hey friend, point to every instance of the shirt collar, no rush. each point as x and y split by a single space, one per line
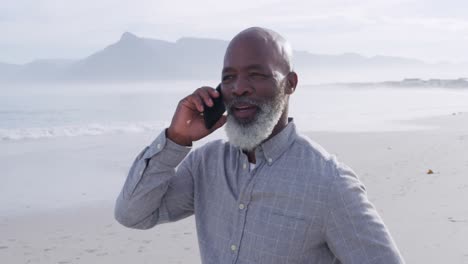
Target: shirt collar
272 149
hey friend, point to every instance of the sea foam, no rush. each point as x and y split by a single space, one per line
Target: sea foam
95 129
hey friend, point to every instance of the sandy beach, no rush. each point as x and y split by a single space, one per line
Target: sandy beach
426 213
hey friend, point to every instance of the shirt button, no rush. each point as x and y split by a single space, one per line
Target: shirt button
241 206
270 160
159 146
244 166
233 247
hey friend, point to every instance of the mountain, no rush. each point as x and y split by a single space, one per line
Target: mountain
44 70
134 58
352 67
305 59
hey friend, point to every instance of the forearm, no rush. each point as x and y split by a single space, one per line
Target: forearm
142 202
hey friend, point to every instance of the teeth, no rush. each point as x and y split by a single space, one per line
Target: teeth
243 107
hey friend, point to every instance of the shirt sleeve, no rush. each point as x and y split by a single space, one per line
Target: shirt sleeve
354 231
154 191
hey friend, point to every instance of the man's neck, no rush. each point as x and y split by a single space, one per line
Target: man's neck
283 122
251 156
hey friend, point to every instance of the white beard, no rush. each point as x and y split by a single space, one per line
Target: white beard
248 136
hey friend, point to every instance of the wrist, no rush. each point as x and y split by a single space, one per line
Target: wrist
176 138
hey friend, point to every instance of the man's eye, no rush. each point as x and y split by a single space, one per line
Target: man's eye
258 75
227 78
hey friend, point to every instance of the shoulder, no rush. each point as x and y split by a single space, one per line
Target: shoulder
338 179
320 161
313 149
313 153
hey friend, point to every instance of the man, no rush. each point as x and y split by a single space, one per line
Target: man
268 195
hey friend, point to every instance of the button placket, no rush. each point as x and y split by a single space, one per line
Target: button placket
243 204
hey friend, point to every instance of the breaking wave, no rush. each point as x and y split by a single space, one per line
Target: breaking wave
83 130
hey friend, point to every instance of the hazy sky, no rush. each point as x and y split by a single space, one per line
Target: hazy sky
426 29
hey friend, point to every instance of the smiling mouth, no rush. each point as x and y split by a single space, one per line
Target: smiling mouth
244 107
244 111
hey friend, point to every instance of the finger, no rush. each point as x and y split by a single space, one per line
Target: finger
188 102
213 92
196 100
204 94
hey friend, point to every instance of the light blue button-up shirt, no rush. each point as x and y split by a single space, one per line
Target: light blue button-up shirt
298 205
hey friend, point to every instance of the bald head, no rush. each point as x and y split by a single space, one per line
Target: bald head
265 41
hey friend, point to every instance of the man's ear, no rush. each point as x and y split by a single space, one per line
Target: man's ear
291 82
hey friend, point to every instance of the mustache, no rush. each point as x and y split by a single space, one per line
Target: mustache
243 100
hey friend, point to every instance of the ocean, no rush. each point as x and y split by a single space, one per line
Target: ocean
29 112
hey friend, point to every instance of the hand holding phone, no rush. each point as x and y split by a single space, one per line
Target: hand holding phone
213 114
194 119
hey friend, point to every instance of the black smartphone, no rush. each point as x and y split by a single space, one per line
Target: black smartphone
213 114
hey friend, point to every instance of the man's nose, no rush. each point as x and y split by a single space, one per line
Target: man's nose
242 87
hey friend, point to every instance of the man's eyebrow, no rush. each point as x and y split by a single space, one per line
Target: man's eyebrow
227 69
